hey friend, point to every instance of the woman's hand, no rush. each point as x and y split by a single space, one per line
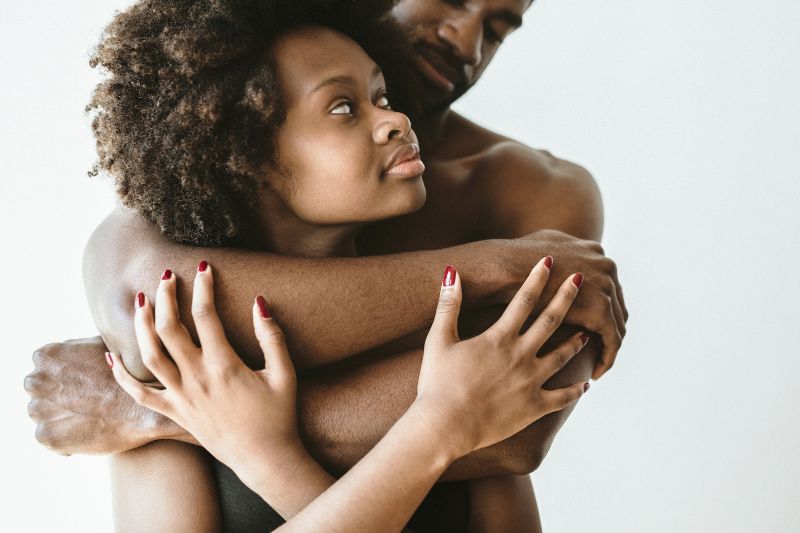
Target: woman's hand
233 411
488 388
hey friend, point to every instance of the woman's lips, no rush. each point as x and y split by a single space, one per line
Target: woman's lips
405 162
407 169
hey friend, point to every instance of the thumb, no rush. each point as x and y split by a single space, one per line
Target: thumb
278 367
445 322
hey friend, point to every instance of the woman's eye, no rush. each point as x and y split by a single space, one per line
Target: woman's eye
345 108
383 102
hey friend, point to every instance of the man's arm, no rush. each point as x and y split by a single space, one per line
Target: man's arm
332 308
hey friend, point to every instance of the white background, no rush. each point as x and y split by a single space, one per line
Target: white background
688 115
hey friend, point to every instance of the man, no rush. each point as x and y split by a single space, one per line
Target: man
494 208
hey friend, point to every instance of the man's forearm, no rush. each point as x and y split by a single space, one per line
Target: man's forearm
330 308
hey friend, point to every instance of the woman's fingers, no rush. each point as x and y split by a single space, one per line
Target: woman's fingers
558 399
170 329
152 354
142 394
553 361
278 364
552 315
525 300
445 323
206 321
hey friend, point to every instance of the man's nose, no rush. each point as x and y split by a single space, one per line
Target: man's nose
465 37
391 125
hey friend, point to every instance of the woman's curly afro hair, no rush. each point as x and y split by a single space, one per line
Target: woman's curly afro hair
186 114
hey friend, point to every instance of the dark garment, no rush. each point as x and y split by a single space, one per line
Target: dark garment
445 508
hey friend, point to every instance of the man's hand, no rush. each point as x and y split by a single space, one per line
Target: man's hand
600 306
79 408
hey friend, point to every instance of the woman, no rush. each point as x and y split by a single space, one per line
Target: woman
244 123
471 394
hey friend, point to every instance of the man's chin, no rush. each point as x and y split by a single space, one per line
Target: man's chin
435 100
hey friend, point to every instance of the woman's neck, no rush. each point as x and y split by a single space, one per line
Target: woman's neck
281 231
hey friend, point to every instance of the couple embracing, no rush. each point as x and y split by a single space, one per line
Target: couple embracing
298 197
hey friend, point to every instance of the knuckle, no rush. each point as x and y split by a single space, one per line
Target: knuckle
550 320
562 358
140 395
446 304
567 397
202 311
274 334
166 327
151 359
44 435
31 383
495 338
39 356
527 299
33 409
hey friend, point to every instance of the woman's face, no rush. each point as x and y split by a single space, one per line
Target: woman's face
343 154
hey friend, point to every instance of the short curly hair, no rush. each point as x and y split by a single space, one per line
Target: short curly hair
186 116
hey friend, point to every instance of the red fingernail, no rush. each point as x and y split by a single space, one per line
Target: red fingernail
262 307
202 266
140 299
548 262
584 338
585 386
167 274
109 360
449 276
578 280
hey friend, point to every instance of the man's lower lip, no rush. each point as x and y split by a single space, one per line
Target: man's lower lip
407 169
433 74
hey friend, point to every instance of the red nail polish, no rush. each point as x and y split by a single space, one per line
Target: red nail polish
578 280
109 360
585 386
140 299
202 266
449 276
548 262
167 274
584 338
262 307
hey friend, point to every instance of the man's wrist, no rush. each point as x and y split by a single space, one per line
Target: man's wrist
491 278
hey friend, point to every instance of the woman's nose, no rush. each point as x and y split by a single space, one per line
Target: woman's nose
392 125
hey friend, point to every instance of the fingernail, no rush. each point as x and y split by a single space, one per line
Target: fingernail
578 280
202 266
167 274
262 307
548 262
449 276
140 299
109 360
585 386
584 338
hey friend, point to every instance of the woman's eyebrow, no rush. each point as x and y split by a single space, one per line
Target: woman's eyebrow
343 80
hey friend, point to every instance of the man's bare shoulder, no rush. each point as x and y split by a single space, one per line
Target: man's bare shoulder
528 188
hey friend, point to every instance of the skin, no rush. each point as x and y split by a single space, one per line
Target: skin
470 394
505 191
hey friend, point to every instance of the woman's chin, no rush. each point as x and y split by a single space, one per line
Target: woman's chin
413 197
